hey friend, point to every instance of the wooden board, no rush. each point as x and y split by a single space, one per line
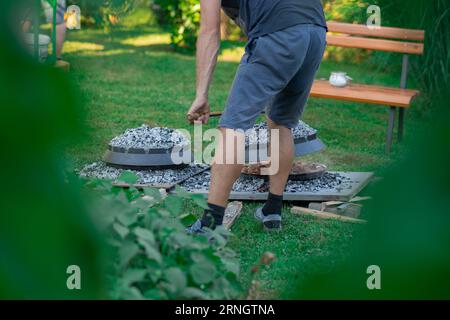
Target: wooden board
364 93
232 213
324 215
380 32
358 181
375 44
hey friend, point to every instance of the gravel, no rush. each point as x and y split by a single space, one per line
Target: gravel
259 132
328 182
146 137
100 170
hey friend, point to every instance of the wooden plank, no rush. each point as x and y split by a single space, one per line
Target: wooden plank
347 209
325 215
364 93
359 199
232 212
375 44
381 32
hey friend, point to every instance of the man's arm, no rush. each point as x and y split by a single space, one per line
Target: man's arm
208 45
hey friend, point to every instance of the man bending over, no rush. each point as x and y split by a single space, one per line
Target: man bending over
287 39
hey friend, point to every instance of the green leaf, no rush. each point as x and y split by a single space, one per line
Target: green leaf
188 219
121 230
133 275
145 234
203 273
200 200
231 265
114 243
155 294
174 205
193 293
127 252
150 251
154 193
127 217
128 177
131 293
176 277
180 192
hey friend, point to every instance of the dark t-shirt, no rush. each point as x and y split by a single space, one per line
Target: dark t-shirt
259 17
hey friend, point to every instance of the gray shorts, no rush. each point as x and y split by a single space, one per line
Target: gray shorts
276 73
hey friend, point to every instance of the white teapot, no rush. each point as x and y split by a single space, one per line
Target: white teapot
339 79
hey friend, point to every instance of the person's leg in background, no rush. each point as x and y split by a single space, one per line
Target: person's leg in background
60 38
60 23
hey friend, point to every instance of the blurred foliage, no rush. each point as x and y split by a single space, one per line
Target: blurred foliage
430 71
127 244
229 30
349 11
408 234
140 16
104 13
44 225
152 256
182 17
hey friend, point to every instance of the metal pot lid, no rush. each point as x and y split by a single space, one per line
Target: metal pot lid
139 158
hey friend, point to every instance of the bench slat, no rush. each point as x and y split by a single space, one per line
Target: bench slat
375 44
381 32
365 93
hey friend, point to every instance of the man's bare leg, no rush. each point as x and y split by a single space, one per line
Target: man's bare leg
224 172
278 181
223 176
270 213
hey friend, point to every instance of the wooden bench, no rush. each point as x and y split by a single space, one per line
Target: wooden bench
397 40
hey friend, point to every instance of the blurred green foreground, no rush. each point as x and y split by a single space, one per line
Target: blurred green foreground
45 226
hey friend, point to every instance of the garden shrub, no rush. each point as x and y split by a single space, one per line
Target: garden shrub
104 13
182 17
152 256
348 11
430 71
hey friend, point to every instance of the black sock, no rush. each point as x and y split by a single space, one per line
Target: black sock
273 204
213 216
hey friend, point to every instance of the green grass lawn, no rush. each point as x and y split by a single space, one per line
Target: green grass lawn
133 77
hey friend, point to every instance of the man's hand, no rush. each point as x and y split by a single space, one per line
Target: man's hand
199 111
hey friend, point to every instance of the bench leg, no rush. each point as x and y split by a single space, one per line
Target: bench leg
401 118
390 130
